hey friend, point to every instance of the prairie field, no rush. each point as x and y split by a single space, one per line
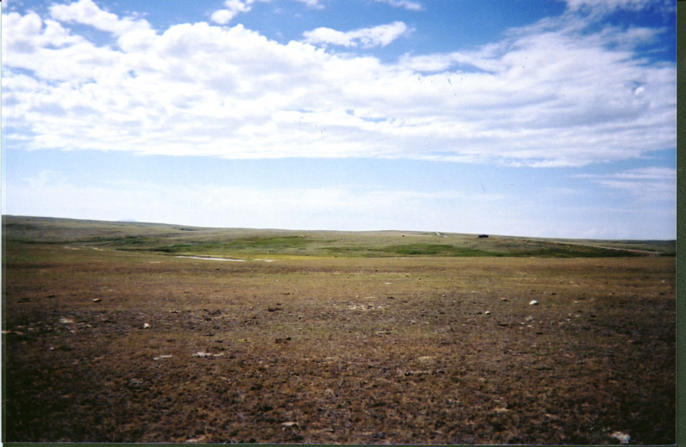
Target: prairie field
127 332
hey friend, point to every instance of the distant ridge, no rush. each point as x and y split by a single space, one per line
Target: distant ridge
228 242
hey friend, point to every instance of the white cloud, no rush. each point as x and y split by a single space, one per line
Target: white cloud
51 193
88 13
648 184
410 5
552 94
233 8
312 4
380 35
608 6
223 16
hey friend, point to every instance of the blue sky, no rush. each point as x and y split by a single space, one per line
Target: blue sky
521 117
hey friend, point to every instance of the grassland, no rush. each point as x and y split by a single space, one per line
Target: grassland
327 337
251 243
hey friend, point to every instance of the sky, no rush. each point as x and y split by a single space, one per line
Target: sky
516 117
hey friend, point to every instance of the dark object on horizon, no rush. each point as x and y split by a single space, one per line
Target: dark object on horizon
482 236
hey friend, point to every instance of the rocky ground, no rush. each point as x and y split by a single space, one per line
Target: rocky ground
126 347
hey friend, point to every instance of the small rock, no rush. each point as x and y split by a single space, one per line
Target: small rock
533 303
65 320
163 356
289 424
623 438
203 354
96 300
146 326
488 312
504 299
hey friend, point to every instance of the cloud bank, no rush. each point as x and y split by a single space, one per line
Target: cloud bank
565 91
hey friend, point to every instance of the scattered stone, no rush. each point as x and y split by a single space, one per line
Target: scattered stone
289 424
426 359
203 354
488 312
504 299
163 356
533 303
273 309
623 438
500 410
146 326
96 300
65 320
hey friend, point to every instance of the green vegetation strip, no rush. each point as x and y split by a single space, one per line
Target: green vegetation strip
235 242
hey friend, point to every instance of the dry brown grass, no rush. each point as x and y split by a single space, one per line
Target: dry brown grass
331 350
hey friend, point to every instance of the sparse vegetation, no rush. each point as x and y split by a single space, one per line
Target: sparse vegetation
343 338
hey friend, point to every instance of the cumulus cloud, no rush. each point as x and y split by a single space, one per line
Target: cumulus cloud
380 35
86 12
233 8
558 93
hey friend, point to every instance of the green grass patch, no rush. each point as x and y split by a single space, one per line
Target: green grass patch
419 249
